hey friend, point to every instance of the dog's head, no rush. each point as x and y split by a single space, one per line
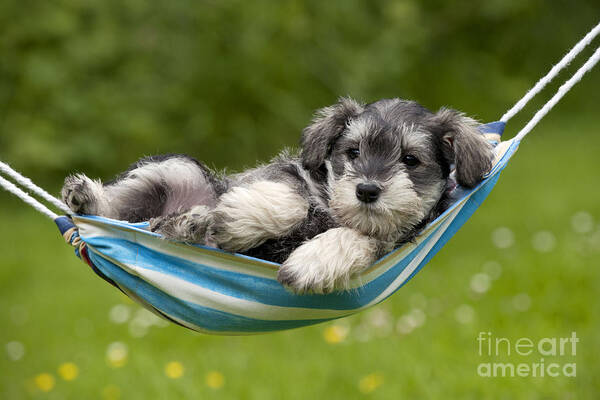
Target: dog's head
387 163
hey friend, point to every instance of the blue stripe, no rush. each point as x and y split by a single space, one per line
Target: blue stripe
142 227
64 224
493 127
247 287
204 317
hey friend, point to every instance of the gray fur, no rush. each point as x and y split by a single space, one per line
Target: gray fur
327 126
464 145
281 211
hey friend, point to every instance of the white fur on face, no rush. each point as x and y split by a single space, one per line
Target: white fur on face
328 261
246 216
397 211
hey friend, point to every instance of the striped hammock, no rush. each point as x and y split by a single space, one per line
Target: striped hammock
212 291
209 290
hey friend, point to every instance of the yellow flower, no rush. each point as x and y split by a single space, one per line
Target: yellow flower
44 382
335 334
370 382
68 371
174 370
214 380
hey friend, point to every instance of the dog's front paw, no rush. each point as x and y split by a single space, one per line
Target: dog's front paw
189 227
303 273
327 262
228 233
79 194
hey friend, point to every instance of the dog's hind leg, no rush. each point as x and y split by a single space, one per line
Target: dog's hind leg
153 187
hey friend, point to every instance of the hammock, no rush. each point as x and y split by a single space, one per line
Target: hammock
212 291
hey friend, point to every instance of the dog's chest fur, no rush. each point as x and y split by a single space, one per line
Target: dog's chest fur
288 169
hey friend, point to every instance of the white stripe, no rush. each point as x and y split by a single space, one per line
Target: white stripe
89 229
388 263
134 296
186 324
201 296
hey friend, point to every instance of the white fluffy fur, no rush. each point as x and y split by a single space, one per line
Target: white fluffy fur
398 209
328 261
246 216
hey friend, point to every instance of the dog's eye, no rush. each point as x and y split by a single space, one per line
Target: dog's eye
353 153
410 160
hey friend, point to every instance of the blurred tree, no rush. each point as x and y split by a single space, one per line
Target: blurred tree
92 86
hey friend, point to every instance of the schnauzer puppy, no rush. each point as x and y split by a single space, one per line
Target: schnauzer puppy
368 179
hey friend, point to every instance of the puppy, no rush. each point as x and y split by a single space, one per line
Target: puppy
368 179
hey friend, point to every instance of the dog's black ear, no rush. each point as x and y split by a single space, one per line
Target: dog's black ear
327 125
464 145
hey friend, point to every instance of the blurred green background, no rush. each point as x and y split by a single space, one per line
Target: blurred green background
92 86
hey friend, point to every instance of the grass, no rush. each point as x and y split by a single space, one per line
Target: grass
58 311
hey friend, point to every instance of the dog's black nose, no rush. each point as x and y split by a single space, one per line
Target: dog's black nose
367 192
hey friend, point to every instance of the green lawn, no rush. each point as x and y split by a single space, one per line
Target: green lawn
421 343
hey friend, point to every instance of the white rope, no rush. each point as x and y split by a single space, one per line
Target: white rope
589 64
552 74
12 188
29 185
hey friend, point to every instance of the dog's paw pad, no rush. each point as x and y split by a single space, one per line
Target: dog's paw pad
78 195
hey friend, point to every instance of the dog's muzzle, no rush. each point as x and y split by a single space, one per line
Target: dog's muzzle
367 192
